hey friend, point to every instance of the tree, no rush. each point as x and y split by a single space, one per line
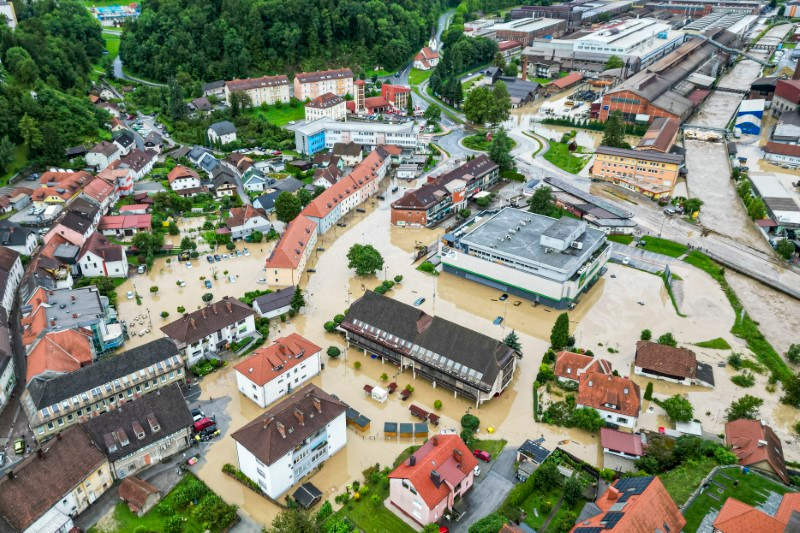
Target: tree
586 418
293 520
31 133
6 153
559 335
433 114
470 423
477 105
207 297
646 335
511 70
22 66
614 132
333 351
745 407
678 408
667 340
410 106
547 476
648 391
287 207
148 243
364 259
793 354
305 196
500 150
256 236
433 527
573 491
785 249
154 289
500 107
177 109
298 301
782 10
692 205
568 519
488 524
187 244
614 62
512 341
542 202
791 390
756 208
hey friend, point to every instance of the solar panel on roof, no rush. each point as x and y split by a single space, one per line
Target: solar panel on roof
632 486
589 530
611 518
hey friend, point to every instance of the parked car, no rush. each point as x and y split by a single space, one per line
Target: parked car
197 414
246 252
202 424
669 211
419 301
188 264
477 470
129 295
210 259
232 278
497 321
503 297
141 269
207 283
19 446
238 253
482 455
626 260
217 258
261 280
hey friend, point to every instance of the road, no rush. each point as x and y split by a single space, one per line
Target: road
119 73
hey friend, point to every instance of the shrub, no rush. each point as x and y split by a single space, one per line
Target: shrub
646 335
735 360
573 490
230 246
357 365
173 524
437 404
388 284
384 377
333 351
409 388
181 309
427 266
283 317
745 379
380 289
648 391
398 278
330 326
793 354
163 509
207 297
164 314
154 289
546 507
667 339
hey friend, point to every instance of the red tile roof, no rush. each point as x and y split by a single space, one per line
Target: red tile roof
570 365
790 504
508 45
603 391
754 442
426 54
98 189
321 75
738 517
142 222
135 492
60 352
782 149
566 81
788 90
240 215
268 363
255 83
446 454
374 102
667 360
181 172
293 242
324 101
622 442
362 174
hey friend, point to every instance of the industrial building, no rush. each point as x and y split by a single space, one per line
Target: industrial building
575 12
550 261
699 8
749 116
314 136
526 30
597 212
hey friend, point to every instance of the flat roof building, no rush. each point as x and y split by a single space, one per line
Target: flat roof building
526 30
533 256
312 137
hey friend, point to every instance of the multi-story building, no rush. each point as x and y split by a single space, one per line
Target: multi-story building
46 490
467 362
11 272
324 133
144 432
309 85
617 399
291 439
53 403
660 136
243 221
182 177
524 31
645 171
59 352
287 262
786 97
277 370
264 90
221 133
103 154
100 258
396 95
532 256
211 328
8 374
445 195
18 238
326 105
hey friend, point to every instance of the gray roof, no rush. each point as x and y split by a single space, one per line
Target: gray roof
71 308
289 184
46 391
464 354
12 234
198 324
267 201
645 155
588 198
534 450
168 407
222 175
214 85
223 128
275 300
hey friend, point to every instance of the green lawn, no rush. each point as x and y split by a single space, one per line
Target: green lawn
560 156
542 81
715 344
622 239
752 490
103 3
416 76
664 246
479 142
577 508
279 116
381 73
681 481
16 164
535 501
112 43
494 447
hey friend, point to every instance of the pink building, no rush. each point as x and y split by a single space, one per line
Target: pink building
427 484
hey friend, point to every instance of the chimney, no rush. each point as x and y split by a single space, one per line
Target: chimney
613 493
192 323
267 422
436 478
298 414
58 436
229 307
203 312
412 460
457 455
11 475
317 404
282 430
435 440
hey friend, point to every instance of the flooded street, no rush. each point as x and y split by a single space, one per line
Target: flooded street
718 110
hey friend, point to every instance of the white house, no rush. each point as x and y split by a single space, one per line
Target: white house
103 154
139 162
100 258
18 238
254 180
277 370
211 328
245 220
327 105
617 399
126 142
182 177
275 303
222 132
11 272
291 439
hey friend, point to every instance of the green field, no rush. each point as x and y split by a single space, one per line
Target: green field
560 156
715 344
621 239
416 76
664 246
752 490
280 116
479 142
17 163
112 43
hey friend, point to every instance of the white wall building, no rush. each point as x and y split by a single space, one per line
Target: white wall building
326 105
222 133
11 272
264 90
324 133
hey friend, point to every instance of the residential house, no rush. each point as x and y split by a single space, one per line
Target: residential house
21 239
266 202
350 153
7 11
274 371
48 270
275 303
757 446
448 354
143 432
224 182
326 105
181 177
202 159
265 90
46 490
326 159
309 85
222 133
738 517
110 108
200 104
103 154
291 439
617 399
440 197
786 98
426 59
290 184
425 486
125 141
134 209
254 180
102 192
53 403
660 136
632 504
11 272
648 172
287 261
8 375
326 177
122 226
100 258
78 222
620 449
59 187
243 221
396 95
210 329
678 365
60 352
122 178
140 495
569 366
58 309
139 162
215 88
153 142
237 162
533 454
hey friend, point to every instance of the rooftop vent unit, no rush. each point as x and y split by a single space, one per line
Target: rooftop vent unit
577 245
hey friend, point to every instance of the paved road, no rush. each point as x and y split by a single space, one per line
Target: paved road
120 74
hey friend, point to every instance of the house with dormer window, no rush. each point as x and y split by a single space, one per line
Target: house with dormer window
617 399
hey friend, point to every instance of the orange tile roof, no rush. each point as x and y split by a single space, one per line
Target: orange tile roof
601 390
34 322
439 453
738 517
293 242
60 352
360 176
181 172
571 365
754 442
566 81
789 504
98 189
268 363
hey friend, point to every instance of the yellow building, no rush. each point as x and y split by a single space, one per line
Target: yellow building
265 90
309 85
288 260
648 172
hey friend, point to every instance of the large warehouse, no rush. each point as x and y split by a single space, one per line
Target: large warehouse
550 261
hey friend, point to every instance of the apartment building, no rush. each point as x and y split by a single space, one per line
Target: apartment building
11 272
325 133
326 105
287 262
265 90
309 85
648 172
